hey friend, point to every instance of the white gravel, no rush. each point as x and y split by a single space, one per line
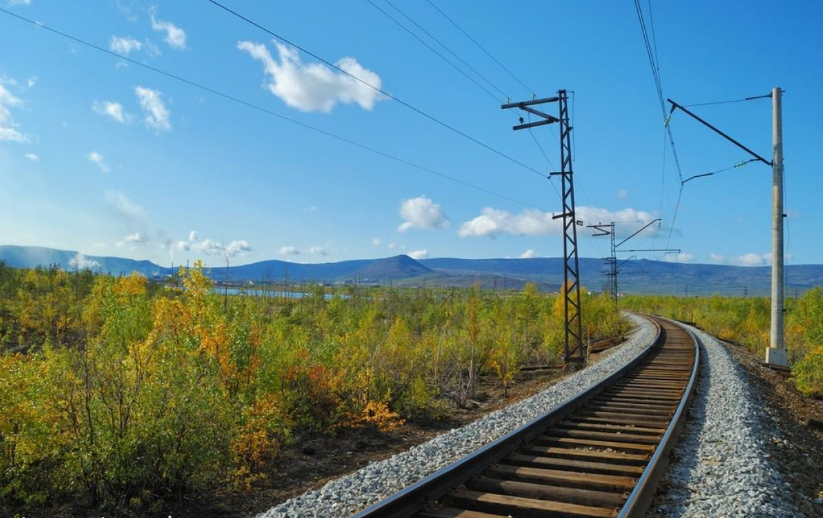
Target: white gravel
721 466
352 493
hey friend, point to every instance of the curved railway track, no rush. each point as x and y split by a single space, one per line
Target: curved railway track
598 455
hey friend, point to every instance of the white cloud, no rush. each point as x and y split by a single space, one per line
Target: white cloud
98 159
152 50
30 82
314 87
210 247
100 245
318 250
112 110
768 257
678 258
422 212
32 157
127 11
532 222
157 114
289 250
175 36
136 238
11 3
392 246
124 206
81 262
240 247
419 254
375 241
529 254
124 44
310 209
622 193
750 259
8 128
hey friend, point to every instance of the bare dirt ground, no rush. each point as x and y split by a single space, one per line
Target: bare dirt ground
796 449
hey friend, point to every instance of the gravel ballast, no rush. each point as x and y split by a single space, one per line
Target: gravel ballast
721 466
354 492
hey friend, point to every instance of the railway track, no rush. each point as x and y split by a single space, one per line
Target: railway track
598 455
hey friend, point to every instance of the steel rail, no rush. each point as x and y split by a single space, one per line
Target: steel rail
640 498
440 484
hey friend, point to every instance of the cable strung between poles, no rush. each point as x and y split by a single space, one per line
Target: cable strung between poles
737 165
265 110
730 101
418 38
441 56
480 47
430 35
376 89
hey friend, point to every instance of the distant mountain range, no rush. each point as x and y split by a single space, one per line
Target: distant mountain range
640 276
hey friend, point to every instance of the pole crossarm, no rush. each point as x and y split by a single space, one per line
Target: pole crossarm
521 104
525 106
733 141
650 223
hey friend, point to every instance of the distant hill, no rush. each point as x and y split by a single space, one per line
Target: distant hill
392 268
32 256
641 276
275 270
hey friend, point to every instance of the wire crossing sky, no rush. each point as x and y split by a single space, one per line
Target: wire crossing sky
172 131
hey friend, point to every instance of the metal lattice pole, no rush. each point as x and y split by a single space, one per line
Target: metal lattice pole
573 350
573 339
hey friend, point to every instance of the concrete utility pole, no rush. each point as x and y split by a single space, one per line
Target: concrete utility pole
776 353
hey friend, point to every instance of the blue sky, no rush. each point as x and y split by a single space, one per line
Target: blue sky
107 158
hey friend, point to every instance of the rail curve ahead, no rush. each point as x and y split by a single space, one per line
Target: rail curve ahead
598 455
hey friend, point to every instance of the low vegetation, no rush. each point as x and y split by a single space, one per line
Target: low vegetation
747 321
121 393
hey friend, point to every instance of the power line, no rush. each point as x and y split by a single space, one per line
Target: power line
265 110
654 37
375 88
418 38
658 82
592 242
737 165
674 217
651 53
730 101
427 33
444 58
539 146
480 47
